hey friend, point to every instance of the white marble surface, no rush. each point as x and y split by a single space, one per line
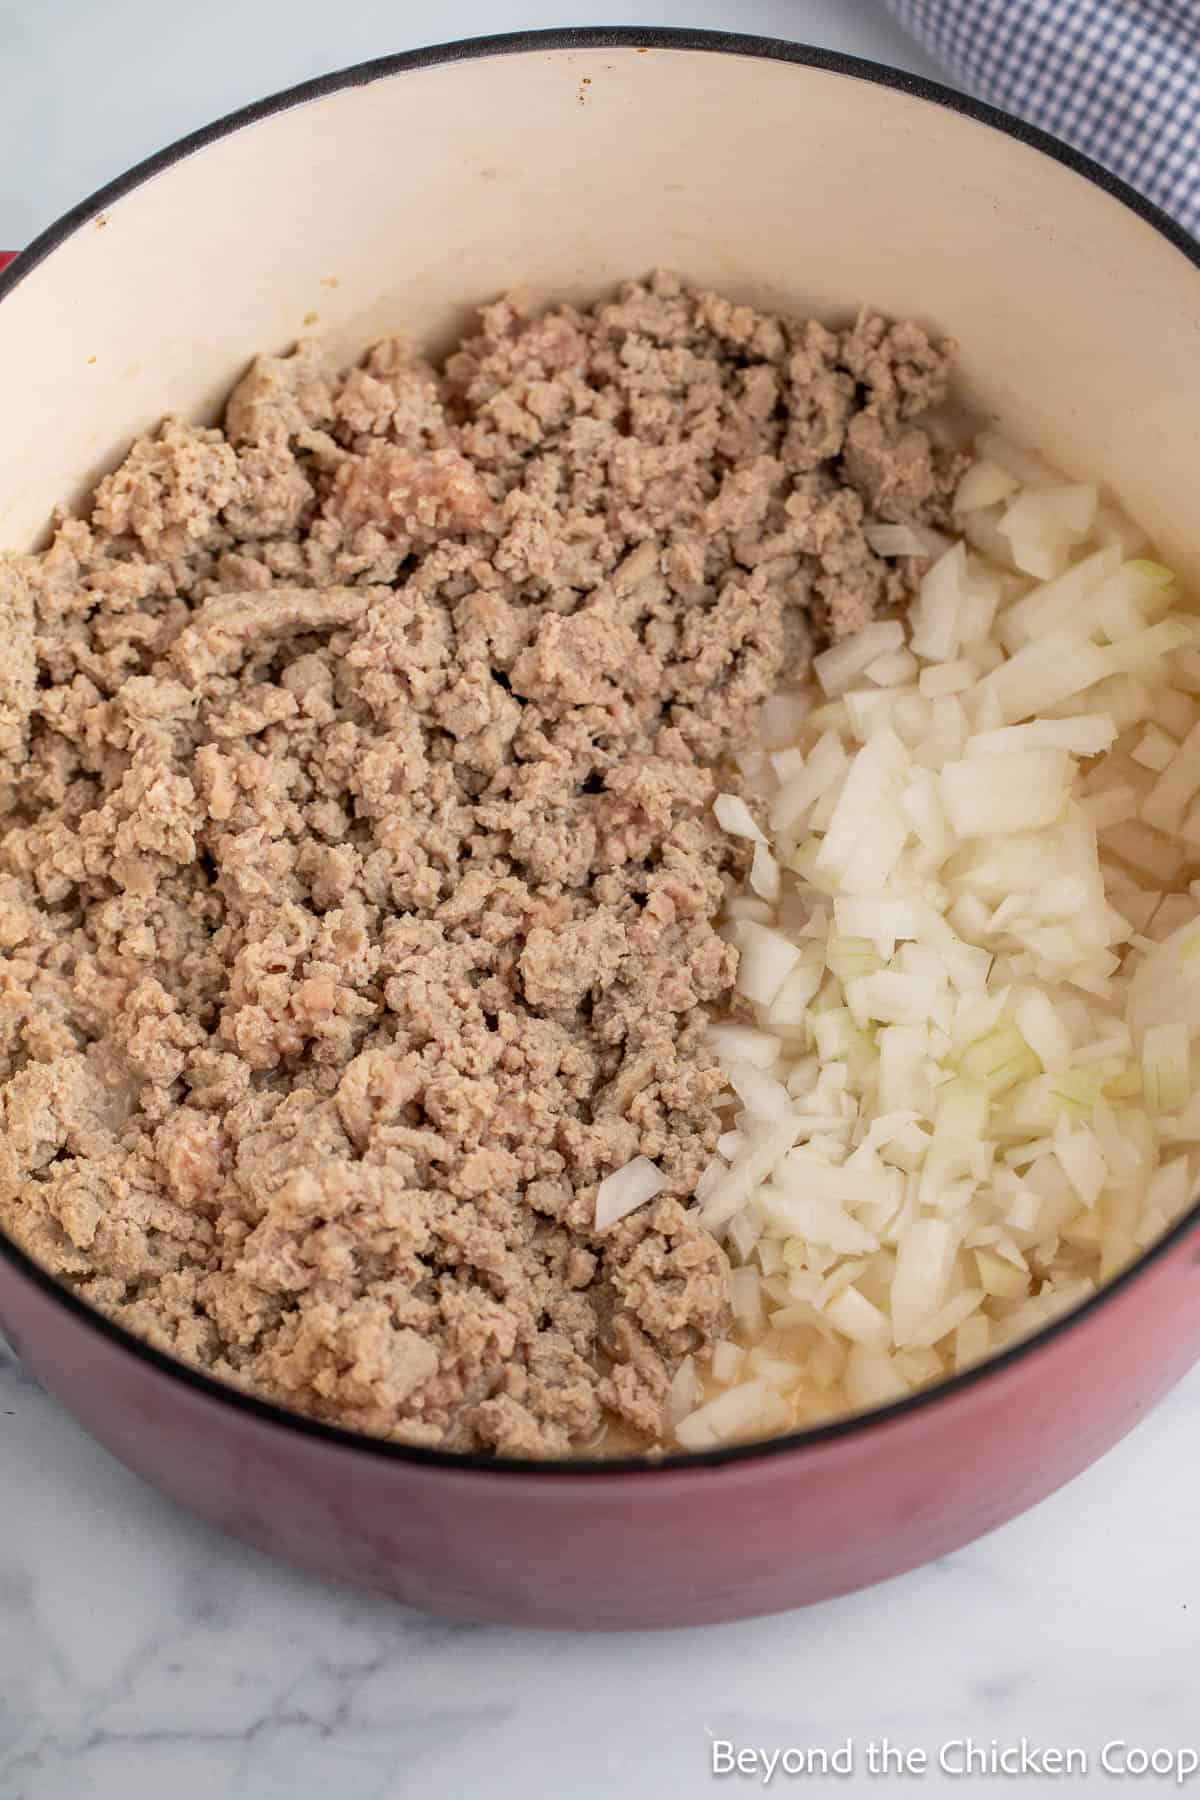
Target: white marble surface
143 1657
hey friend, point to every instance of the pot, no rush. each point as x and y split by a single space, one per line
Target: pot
399 193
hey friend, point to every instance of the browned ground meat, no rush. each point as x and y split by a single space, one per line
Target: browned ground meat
358 871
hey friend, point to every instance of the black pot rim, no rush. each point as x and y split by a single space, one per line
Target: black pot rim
794 1443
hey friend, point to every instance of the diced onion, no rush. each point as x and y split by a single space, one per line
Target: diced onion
1085 735
872 1379
748 1171
892 669
767 958
744 1044
962 1092
764 873
1165 1067
938 679
1082 1161
894 540
735 817
856 1318
626 1189
1029 791
983 485
727 1360
825 762
924 1263
683 1394
745 1296
752 1409
937 615
837 667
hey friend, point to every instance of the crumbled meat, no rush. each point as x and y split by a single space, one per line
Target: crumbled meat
18 675
357 863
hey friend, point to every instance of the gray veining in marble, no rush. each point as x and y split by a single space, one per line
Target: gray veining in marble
142 1654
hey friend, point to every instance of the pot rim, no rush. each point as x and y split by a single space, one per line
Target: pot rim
622 37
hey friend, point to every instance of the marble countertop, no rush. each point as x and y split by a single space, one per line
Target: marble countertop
142 1655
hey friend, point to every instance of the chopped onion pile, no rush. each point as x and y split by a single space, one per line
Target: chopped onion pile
964 1090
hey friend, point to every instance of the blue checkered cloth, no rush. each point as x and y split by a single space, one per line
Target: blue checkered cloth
1119 79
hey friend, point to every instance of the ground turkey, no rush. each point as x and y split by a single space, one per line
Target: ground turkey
357 863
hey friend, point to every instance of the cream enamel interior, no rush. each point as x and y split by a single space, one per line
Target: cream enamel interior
397 201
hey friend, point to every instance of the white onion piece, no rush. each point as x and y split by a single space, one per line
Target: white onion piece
1054 604
817 1219
766 959
1028 792
752 1409
937 615
1044 674
924 1264
743 1043
893 669
825 762
764 874
626 1189
764 1098
684 1393
1165 1072
734 816
948 1318
872 1379
1154 750
858 1319
891 998
727 1360
983 485
1044 524
748 1171
938 679
1082 1161
1084 735
745 1297
837 667
867 804
789 1009
894 540
1178 783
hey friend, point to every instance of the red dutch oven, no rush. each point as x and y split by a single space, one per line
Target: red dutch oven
399 192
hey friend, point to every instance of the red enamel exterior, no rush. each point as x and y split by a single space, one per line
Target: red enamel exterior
694 1540
756 1533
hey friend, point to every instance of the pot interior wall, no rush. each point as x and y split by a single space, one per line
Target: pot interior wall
397 202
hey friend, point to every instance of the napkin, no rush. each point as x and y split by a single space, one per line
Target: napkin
1118 79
